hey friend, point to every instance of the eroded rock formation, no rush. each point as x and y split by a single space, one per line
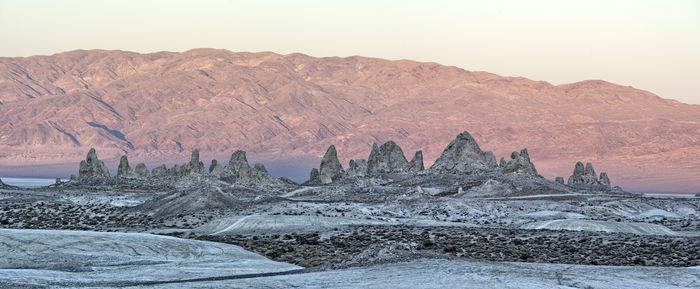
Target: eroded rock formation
141 171
215 169
314 177
604 180
159 171
92 166
388 158
464 155
330 169
416 163
124 170
357 168
520 163
587 176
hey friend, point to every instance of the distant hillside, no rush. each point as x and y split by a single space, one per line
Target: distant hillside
289 108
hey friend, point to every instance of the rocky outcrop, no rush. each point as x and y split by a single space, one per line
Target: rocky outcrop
215 169
416 163
330 169
520 163
260 167
388 158
604 180
559 180
237 165
463 155
159 171
357 168
141 171
124 170
314 177
587 176
238 171
195 166
93 167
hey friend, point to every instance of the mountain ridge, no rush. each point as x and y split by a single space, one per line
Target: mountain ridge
161 105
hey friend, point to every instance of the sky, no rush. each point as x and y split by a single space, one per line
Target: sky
650 45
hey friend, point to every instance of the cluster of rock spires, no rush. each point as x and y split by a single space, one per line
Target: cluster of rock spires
586 176
238 170
385 159
92 166
463 156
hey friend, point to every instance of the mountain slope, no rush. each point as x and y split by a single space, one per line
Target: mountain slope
158 106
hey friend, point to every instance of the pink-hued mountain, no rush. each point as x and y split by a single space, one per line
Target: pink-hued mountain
287 109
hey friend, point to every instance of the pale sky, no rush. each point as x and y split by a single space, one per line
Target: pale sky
651 45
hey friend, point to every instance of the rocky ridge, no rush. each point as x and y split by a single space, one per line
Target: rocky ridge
462 169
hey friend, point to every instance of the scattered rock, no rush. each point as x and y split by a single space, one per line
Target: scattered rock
330 169
93 167
464 155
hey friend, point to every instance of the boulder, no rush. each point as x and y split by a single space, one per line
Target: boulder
416 163
520 163
92 166
124 170
159 171
388 158
463 155
357 168
330 169
141 171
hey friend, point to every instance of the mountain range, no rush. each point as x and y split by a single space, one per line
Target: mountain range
285 110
